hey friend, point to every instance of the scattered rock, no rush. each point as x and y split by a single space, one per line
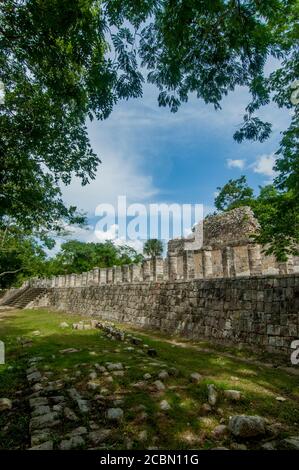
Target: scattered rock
39 437
37 387
97 437
34 377
173 371
58 408
220 431
236 446
163 375
147 376
82 404
118 373
72 443
38 401
48 445
291 443
92 385
282 399
142 436
114 366
41 410
247 426
69 414
234 395
115 414
195 377
268 446
5 404
64 325
205 409
68 351
212 394
48 420
219 448
58 399
159 385
164 405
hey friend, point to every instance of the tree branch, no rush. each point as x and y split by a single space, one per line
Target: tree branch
10 272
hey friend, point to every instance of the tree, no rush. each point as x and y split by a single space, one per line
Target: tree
210 48
21 257
56 71
234 194
153 247
77 257
65 61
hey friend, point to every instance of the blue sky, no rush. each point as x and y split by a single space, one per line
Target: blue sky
151 155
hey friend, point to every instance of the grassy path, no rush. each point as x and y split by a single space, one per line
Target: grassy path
31 333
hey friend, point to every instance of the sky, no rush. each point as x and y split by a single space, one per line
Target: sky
154 156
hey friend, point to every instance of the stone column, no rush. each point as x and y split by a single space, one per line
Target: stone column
198 264
117 275
95 276
188 264
207 263
172 267
228 262
158 266
72 280
84 279
286 267
165 269
146 270
126 273
89 278
136 272
103 275
255 259
241 261
109 275
52 281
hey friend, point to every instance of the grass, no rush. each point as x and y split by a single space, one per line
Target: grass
181 427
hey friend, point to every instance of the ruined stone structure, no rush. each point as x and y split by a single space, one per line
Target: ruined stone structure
227 290
227 251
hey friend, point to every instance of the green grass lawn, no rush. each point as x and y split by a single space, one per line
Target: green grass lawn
144 425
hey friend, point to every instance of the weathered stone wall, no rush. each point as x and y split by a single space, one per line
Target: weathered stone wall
261 312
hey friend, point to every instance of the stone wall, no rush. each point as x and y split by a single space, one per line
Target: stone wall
260 312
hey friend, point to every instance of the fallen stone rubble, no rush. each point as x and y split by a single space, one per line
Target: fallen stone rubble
115 333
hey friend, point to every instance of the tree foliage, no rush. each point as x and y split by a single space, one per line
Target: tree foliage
153 247
77 257
233 194
57 72
20 257
65 61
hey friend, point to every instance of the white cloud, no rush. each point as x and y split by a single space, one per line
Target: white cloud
264 165
235 163
119 174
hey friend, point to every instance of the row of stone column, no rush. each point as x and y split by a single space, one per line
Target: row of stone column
223 262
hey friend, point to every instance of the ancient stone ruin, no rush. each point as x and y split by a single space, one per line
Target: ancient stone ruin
227 290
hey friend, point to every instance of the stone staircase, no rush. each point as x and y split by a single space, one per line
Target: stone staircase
22 298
